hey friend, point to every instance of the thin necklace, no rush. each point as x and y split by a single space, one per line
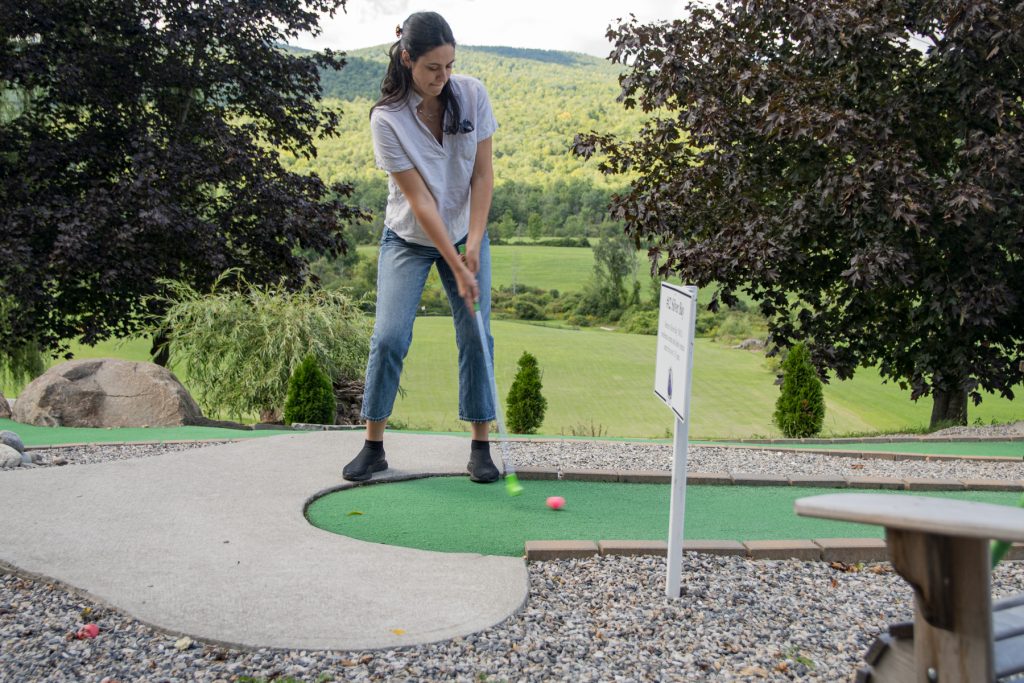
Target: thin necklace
428 117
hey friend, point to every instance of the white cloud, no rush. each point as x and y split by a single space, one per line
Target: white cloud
573 25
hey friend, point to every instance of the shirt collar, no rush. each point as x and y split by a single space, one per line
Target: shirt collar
414 99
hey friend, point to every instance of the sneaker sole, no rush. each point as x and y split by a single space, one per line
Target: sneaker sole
378 467
483 481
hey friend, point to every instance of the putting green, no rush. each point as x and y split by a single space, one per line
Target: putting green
32 435
453 514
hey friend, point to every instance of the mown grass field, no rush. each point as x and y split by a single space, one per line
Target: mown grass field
599 382
566 269
602 381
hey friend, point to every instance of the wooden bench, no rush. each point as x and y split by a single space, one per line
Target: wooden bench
941 548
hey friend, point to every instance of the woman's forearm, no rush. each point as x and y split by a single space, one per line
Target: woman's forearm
481 190
481 194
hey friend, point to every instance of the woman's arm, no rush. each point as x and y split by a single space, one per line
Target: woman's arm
481 191
424 207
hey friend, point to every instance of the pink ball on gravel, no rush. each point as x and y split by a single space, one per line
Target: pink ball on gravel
556 502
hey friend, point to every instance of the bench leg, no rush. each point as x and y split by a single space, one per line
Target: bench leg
952 604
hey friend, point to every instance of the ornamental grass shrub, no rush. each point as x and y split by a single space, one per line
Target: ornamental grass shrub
800 408
525 403
237 346
310 395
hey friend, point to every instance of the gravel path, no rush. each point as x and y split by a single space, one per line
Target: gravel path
598 619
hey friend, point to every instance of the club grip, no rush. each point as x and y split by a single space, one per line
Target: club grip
462 251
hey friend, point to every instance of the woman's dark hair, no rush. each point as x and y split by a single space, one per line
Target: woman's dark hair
419 34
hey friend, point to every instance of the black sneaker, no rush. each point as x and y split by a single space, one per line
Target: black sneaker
481 468
363 466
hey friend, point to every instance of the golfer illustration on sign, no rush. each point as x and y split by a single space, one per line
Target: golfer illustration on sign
432 134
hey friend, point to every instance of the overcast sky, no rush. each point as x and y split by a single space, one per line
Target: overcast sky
573 25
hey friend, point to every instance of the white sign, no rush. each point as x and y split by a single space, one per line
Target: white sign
672 373
676 321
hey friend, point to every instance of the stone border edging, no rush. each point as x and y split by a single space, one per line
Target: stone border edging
726 479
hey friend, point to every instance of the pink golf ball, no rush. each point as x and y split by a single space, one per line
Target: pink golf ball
88 631
556 502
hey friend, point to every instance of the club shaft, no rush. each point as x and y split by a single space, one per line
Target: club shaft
482 334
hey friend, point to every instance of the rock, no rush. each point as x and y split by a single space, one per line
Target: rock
106 392
5 407
750 345
9 458
9 438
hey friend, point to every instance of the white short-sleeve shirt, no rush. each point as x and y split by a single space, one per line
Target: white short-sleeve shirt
401 141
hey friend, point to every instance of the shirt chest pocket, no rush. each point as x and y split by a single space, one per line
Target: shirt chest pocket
464 147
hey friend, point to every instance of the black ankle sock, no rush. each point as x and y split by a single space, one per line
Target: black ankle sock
480 446
375 446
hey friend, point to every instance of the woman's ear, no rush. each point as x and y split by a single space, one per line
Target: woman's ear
406 61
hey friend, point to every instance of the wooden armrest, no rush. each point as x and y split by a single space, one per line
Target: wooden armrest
941 516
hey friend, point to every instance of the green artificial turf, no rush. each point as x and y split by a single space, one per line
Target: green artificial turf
453 514
32 435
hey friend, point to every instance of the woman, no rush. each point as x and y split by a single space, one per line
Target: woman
432 134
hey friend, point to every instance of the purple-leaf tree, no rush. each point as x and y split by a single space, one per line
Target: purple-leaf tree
856 167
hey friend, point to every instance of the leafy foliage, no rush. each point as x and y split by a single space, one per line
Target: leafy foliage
856 167
526 404
239 346
138 141
310 395
800 410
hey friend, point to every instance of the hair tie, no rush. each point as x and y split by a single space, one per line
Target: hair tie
398 31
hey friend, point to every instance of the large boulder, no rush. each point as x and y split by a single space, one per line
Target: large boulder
106 392
5 407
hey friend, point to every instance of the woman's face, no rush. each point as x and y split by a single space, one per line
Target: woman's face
432 70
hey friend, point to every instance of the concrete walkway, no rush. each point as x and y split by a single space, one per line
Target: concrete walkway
212 543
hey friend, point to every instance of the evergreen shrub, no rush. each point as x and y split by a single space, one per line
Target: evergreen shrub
800 409
525 404
310 395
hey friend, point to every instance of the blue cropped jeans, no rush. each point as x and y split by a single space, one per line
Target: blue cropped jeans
402 269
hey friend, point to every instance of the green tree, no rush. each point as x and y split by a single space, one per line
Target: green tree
800 408
526 405
310 395
503 229
142 139
534 226
614 263
854 166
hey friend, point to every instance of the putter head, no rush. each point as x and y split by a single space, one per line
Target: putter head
512 485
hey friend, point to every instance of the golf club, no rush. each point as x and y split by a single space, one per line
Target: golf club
512 485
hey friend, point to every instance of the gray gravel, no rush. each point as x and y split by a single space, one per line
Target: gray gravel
646 456
601 619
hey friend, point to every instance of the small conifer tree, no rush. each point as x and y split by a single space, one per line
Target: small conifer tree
525 403
310 395
800 410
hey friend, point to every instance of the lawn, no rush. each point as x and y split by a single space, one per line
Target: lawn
566 269
601 383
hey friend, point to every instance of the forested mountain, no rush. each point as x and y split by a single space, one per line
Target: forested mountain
541 99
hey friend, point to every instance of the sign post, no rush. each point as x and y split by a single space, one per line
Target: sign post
677 319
